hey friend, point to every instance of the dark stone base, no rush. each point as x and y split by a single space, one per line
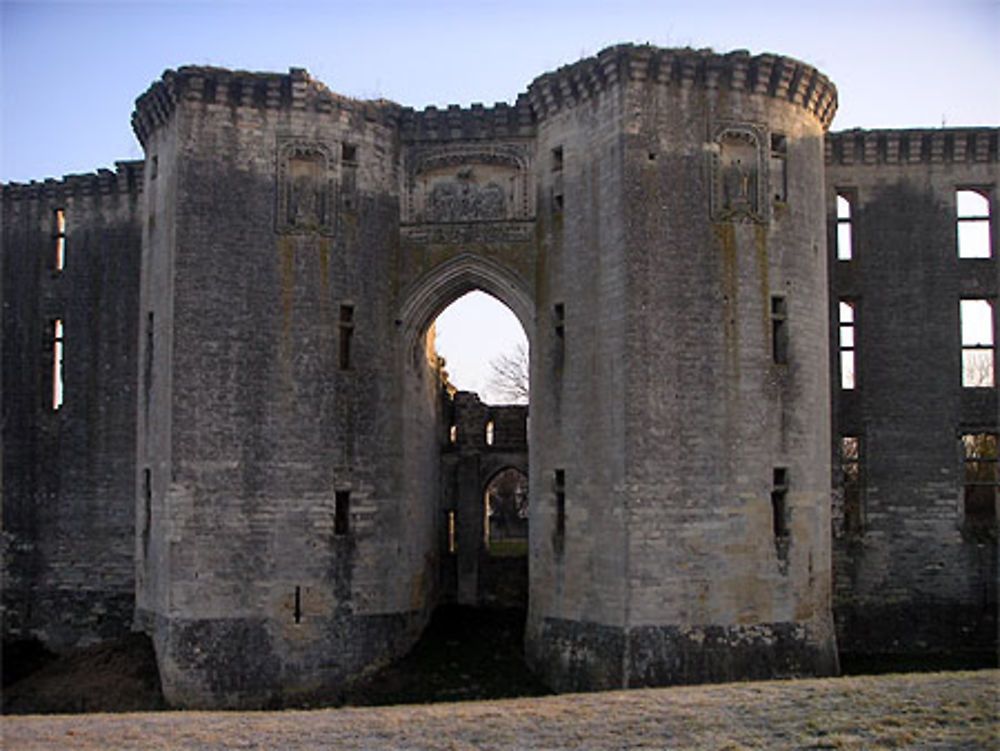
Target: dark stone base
665 655
925 627
62 619
575 656
236 663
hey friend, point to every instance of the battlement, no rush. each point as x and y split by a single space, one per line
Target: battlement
502 120
912 146
296 90
765 74
126 178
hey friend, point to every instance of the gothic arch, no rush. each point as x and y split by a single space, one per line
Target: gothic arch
445 283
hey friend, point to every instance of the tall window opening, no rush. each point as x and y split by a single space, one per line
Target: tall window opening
779 510
779 159
848 351
342 512
506 518
978 351
452 534
58 342
346 334
982 492
850 482
845 228
490 432
779 330
59 260
559 490
973 212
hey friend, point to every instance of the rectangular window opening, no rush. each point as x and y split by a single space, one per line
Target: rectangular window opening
346 334
559 319
779 330
298 604
59 262
978 350
342 512
845 227
559 488
847 346
973 224
779 510
982 482
850 482
57 364
490 432
557 159
779 170
147 376
452 540
349 153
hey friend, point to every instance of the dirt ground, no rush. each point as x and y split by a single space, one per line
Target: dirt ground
475 656
953 711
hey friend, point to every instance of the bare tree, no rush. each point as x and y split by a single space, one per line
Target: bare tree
509 376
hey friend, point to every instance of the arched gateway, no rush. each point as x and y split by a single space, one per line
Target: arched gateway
655 218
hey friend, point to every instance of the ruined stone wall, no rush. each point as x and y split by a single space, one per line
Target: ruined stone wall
470 575
257 420
68 472
911 575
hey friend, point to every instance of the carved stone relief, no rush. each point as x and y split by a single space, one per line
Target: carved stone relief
305 187
482 191
739 177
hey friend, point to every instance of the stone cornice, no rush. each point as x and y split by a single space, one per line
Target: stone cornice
126 178
768 75
912 146
296 90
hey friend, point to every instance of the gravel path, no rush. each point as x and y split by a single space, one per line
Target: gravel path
915 711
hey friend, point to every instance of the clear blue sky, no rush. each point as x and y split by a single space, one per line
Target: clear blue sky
70 71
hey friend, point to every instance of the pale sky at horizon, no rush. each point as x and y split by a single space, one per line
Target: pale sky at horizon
70 71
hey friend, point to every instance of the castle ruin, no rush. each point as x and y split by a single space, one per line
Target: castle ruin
760 428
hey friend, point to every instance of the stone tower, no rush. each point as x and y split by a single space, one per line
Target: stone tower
655 219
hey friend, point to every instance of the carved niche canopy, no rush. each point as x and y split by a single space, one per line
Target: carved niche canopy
305 187
461 192
739 173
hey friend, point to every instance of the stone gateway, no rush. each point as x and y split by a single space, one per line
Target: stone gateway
253 456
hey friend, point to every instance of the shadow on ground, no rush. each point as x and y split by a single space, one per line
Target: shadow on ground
464 654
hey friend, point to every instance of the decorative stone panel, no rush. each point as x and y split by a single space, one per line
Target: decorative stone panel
305 187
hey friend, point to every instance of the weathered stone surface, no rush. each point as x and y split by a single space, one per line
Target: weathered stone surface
256 442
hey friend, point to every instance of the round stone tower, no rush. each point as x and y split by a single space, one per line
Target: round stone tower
680 411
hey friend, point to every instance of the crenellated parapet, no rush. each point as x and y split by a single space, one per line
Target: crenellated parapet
477 122
296 90
913 146
767 75
125 178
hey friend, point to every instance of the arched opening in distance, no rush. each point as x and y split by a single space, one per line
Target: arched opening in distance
505 532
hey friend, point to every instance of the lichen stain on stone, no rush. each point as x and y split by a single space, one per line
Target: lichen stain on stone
763 268
286 250
324 261
725 233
